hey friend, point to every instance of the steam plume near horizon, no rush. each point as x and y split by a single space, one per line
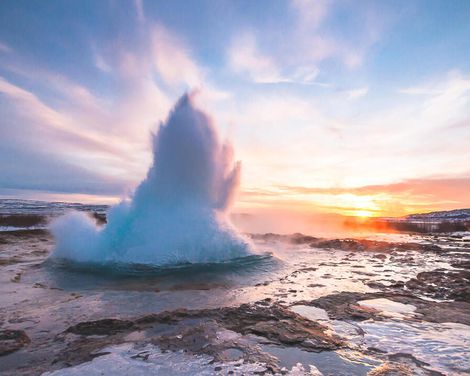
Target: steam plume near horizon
178 213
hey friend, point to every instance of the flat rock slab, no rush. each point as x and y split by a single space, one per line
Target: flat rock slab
442 284
274 322
345 306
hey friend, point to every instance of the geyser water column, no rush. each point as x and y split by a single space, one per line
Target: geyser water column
178 214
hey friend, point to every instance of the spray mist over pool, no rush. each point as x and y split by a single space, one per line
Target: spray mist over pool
178 214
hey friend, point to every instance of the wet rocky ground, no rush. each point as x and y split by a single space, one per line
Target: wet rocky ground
386 305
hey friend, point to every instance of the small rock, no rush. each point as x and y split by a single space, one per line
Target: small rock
12 340
100 327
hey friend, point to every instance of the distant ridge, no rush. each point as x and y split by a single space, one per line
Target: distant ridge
447 215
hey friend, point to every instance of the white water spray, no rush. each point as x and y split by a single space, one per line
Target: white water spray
177 214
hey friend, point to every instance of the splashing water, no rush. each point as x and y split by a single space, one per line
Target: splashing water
177 214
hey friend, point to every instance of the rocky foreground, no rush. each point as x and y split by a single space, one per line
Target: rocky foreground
331 307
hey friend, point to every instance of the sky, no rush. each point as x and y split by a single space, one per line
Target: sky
351 107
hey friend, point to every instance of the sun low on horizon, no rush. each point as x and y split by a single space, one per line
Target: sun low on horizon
359 109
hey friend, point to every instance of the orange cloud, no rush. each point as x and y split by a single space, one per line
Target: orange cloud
396 199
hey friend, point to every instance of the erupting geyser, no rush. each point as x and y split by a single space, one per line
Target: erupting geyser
177 214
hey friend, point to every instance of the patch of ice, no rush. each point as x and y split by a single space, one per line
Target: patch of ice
127 359
348 330
388 307
446 347
299 370
311 313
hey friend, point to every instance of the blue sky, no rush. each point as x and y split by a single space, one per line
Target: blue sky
323 100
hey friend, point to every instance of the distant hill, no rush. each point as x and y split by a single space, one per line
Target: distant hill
448 215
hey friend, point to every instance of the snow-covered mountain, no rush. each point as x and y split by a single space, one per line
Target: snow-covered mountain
449 215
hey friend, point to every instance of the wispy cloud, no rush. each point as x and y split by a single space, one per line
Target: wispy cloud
444 99
312 12
312 38
297 55
139 7
90 135
416 90
4 47
50 124
172 59
453 188
100 63
245 58
357 93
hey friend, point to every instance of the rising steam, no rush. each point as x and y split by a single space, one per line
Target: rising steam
177 214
